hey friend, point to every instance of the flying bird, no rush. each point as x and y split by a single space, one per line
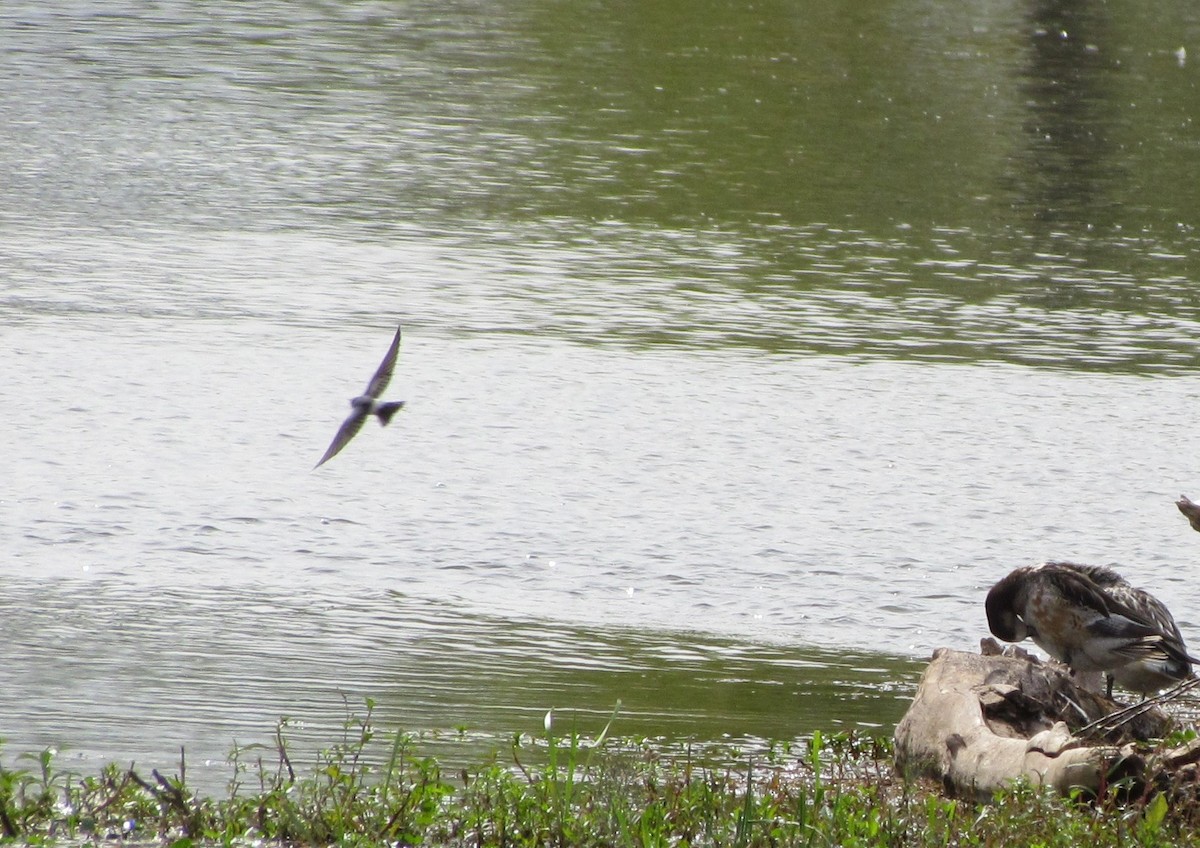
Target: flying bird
368 404
1092 619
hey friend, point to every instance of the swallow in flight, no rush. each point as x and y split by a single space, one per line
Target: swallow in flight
368 403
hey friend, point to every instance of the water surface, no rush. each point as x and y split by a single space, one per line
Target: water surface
745 347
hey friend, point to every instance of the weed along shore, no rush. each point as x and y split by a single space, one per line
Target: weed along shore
368 787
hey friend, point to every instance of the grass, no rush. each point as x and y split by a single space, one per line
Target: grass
567 790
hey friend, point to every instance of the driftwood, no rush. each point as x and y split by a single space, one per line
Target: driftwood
981 721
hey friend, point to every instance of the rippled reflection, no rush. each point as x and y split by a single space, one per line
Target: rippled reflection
932 298
639 181
136 675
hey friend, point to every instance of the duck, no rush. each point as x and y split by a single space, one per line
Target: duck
1190 510
1090 618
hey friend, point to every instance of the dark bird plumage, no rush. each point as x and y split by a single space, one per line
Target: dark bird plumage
1190 510
1092 619
367 403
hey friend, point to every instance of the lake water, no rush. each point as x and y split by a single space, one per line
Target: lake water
745 346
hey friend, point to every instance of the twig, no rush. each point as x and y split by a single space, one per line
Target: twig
1121 717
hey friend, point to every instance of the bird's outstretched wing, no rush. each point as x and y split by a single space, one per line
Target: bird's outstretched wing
383 374
344 434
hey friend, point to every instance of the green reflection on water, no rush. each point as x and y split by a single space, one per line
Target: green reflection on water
940 183
501 676
949 182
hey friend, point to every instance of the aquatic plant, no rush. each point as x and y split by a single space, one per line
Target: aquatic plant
563 789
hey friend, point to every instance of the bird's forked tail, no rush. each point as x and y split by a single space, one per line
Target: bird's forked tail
385 411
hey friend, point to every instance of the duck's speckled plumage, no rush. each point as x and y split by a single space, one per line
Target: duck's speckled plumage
1092 619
